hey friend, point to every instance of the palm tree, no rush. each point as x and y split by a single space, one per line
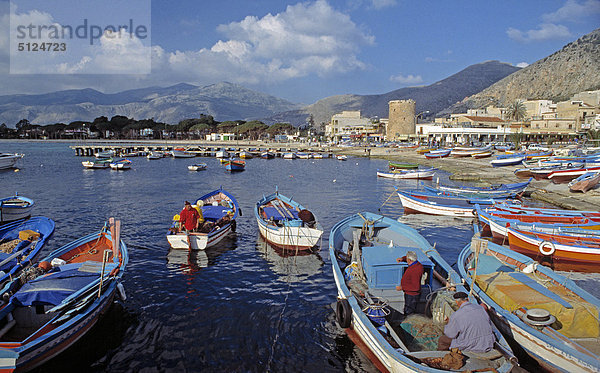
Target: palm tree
516 111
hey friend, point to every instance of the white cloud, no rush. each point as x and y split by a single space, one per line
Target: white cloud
406 80
522 64
573 11
547 31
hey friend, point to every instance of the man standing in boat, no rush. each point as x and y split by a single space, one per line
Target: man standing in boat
411 282
188 218
469 328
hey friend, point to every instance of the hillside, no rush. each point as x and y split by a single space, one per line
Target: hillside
434 97
224 101
574 68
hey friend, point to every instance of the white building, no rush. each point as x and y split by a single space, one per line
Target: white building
350 125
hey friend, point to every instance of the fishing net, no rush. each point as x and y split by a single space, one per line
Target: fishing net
453 360
8 246
442 306
421 333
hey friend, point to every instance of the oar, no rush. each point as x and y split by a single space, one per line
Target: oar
7 260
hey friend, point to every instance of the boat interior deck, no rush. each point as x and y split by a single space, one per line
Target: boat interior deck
90 251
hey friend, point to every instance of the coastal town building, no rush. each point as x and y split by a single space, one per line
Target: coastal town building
402 119
350 125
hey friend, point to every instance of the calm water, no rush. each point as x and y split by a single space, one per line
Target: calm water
239 307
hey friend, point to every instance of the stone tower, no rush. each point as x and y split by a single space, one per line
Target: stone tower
401 119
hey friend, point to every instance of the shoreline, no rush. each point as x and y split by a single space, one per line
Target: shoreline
465 169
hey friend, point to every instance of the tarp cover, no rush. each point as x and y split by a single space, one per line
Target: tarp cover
581 321
274 213
54 287
214 212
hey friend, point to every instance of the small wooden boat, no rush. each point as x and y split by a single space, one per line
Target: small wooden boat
480 155
15 208
267 155
105 154
20 243
585 182
121 164
364 249
182 153
8 160
490 191
403 166
75 285
222 154
197 167
219 209
502 160
303 155
342 157
317 156
423 174
562 252
441 153
286 224
424 150
246 155
496 194
289 156
419 203
551 318
155 155
97 164
467 151
564 176
235 165
524 210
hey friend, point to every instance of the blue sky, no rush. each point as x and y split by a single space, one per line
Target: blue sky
298 50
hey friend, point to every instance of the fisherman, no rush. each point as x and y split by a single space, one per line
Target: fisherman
469 328
188 218
411 282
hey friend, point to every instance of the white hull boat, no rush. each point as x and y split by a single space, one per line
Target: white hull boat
8 160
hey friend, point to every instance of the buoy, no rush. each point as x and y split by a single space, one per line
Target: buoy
17 170
334 180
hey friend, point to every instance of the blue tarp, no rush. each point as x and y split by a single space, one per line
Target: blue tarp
214 212
272 212
54 287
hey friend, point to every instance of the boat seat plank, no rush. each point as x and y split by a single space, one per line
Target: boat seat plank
487 264
275 213
376 225
526 280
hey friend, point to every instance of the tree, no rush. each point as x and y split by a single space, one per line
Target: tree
516 111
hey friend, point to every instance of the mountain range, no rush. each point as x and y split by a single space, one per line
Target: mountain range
575 68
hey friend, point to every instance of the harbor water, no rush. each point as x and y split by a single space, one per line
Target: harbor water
242 306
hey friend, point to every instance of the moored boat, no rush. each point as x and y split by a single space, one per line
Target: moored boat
121 164
219 209
222 154
97 164
235 165
510 160
341 157
286 224
197 167
422 203
289 156
246 155
550 317
53 305
15 208
500 189
155 155
467 151
441 153
182 153
564 176
423 174
480 155
8 160
364 249
585 182
267 155
403 166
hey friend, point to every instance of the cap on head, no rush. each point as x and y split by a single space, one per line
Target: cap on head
460 295
187 203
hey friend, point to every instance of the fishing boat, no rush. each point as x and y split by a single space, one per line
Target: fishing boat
480 155
286 224
423 174
289 156
15 208
53 305
8 160
550 317
403 166
467 151
267 155
105 154
302 155
564 176
222 154
562 251
235 165
507 160
425 149
197 167
525 210
364 249
500 189
246 155
441 153
182 153
342 157
414 202
97 164
121 164
20 243
585 182
317 156
219 209
155 155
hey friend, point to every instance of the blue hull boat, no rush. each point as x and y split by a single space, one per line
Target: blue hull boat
56 303
20 243
364 249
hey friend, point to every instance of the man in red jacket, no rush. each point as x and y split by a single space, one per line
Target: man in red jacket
188 218
411 282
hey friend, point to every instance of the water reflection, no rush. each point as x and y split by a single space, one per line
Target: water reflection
187 261
292 266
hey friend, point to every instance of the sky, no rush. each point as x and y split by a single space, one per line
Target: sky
301 51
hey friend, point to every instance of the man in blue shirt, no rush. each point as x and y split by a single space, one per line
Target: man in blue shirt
469 328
